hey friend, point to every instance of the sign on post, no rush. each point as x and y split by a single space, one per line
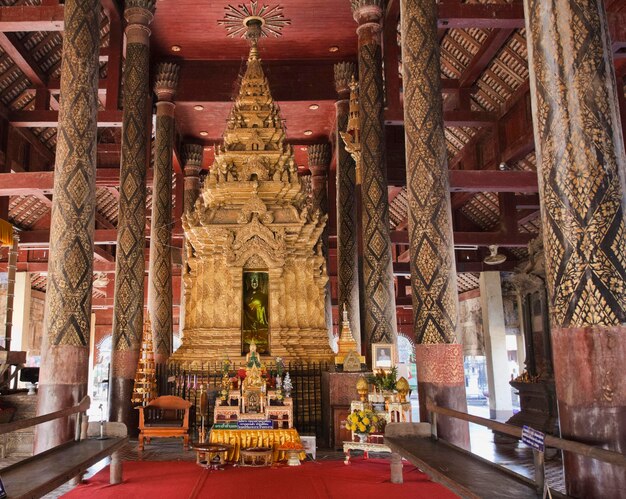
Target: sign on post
533 438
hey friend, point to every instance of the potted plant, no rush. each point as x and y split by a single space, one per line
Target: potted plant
384 381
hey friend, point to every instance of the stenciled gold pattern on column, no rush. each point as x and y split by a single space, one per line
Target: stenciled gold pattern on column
70 268
580 153
347 224
192 161
160 281
379 299
319 162
130 264
433 267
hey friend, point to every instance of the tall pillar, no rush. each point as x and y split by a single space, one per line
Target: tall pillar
65 344
160 276
192 164
500 400
379 291
581 166
10 298
433 267
347 224
21 311
319 162
129 261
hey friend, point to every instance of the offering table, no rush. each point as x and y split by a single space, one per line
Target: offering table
244 439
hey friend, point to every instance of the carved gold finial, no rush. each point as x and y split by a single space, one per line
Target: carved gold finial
344 72
319 155
192 155
352 136
166 81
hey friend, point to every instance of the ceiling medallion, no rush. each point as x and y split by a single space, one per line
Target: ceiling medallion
238 20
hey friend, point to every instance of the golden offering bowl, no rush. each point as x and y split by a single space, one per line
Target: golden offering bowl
402 386
362 388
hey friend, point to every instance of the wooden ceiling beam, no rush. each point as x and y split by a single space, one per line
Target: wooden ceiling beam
50 119
22 58
454 14
31 18
29 183
482 59
493 181
464 238
457 118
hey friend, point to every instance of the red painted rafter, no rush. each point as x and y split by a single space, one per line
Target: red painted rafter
31 18
483 58
454 14
22 58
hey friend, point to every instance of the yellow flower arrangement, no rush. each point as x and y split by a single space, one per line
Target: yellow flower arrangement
362 421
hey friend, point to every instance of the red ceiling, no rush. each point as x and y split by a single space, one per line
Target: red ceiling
297 114
315 26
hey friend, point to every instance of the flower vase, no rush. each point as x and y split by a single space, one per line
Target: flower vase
362 437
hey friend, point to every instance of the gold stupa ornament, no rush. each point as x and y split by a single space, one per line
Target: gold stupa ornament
145 389
255 270
347 353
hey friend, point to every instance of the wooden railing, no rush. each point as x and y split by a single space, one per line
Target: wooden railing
598 453
79 409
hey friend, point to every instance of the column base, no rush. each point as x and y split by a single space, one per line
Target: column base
440 380
591 394
51 398
120 406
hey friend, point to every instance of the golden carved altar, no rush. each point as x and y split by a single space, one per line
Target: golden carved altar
254 266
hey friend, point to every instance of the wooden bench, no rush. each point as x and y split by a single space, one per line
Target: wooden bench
166 416
37 475
465 474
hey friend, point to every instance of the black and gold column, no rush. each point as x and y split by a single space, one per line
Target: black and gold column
192 164
319 162
433 266
378 283
160 275
130 263
581 165
65 347
347 223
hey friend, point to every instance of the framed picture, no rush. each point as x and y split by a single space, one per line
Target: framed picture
383 355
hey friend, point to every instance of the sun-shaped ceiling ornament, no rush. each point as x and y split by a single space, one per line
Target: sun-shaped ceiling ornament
253 22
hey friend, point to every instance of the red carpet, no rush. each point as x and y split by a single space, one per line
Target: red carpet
363 479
